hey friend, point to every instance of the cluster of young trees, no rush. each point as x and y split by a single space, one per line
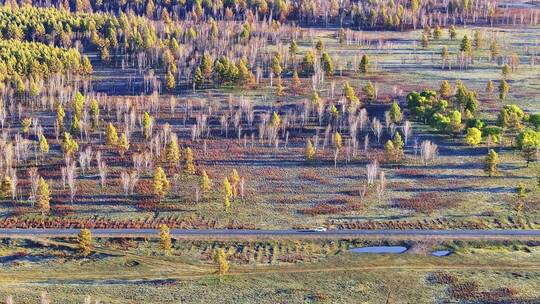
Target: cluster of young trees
402 14
108 33
447 115
395 14
22 61
62 28
445 110
173 46
222 71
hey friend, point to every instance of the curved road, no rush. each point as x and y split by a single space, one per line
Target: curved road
454 234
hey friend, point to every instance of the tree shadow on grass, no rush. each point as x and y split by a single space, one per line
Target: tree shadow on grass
455 177
467 189
374 218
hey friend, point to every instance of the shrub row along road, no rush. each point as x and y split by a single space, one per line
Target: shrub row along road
230 233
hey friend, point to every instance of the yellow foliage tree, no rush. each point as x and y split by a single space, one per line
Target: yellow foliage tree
69 145
43 144
235 181
173 152
338 142
123 144
189 167
160 183
43 196
6 187
165 239
111 136
206 182
85 242
310 151
221 262
227 192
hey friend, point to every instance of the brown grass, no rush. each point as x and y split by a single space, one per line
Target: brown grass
470 290
311 175
332 207
427 202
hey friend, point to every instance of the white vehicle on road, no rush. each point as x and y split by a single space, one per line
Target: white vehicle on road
320 229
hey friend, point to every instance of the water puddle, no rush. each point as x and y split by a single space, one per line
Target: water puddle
379 249
441 253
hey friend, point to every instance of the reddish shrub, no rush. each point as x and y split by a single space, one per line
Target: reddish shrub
313 176
331 207
498 294
426 202
443 278
272 174
464 291
144 187
62 210
147 204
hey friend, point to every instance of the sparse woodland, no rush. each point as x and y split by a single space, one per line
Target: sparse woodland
204 84
270 114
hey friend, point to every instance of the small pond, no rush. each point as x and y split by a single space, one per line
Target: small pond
441 253
379 249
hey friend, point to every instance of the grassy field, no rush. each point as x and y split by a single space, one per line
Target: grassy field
131 271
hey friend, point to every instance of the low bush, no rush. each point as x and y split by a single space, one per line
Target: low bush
426 202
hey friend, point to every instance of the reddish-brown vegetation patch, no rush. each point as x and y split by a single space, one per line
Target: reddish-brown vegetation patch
147 204
426 202
62 210
311 175
470 290
144 187
272 174
101 223
443 278
332 207
441 223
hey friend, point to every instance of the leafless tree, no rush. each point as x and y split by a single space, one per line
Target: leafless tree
128 181
242 187
70 175
326 136
381 186
148 161
34 181
371 172
134 178
377 128
85 157
363 119
428 151
102 168
138 160
407 131
197 194
125 181
64 176
8 154
387 120
363 190
21 148
14 181
366 143
172 104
